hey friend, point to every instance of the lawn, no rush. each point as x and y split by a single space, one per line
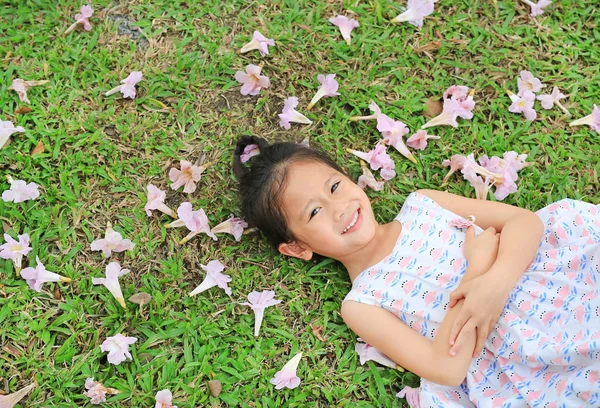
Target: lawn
100 152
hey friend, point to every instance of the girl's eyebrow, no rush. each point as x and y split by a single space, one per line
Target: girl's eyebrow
303 213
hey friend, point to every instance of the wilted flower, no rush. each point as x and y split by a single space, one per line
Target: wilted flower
415 12
374 108
112 242
164 399
290 114
461 222
195 221
527 82
419 140
258 302
592 119
329 87
21 87
10 400
549 100
85 12
459 92
366 352
251 80
392 132
411 395
7 129
249 151
20 191
111 282
214 277
523 104
259 42
455 163
128 85
287 377
118 348
537 9
37 277
234 226
97 392
345 25
458 102
156 201
15 250
367 179
378 159
187 176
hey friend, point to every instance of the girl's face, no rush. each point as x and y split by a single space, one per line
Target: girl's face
327 212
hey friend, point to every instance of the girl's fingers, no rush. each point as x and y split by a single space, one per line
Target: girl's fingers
466 331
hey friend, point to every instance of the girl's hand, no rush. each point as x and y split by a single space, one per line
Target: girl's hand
481 250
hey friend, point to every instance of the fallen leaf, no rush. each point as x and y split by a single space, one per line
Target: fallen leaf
57 294
39 148
10 400
434 45
5 226
23 109
215 387
433 107
317 330
141 298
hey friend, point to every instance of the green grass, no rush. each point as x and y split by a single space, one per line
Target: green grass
101 152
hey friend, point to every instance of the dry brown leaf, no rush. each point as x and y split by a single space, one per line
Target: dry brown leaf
141 298
317 330
22 110
39 148
5 226
215 387
433 107
432 46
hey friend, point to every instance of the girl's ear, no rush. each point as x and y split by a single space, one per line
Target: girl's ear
296 250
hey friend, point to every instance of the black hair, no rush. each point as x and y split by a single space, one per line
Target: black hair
263 180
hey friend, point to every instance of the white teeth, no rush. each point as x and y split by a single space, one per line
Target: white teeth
352 223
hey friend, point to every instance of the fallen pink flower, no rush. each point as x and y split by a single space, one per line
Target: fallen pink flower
85 12
156 201
6 130
458 92
259 42
378 159
15 250
249 151
118 348
593 120
345 25
251 80
187 176
537 8
287 377
234 226
128 85
111 282
419 140
456 162
97 392
258 302
290 114
195 221
367 179
10 400
329 87
523 104
37 277
366 352
458 102
415 12
527 82
112 242
214 277
21 87
549 100
374 108
164 399
20 191
461 222
411 395
392 132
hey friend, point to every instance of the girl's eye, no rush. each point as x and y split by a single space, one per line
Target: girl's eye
334 187
314 212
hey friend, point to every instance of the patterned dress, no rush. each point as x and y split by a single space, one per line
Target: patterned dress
545 349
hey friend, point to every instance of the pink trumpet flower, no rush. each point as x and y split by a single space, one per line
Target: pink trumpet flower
523 104
37 277
112 242
290 114
411 395
378 159
458 102
20 191
234 226
329 87
128 85
214 277
461 222
164 399
374 108
187 176
251 80
259 42
249 151
537 8
85 12
415 12
15 250
20 87
527 82
10 400
549 100
367 179
593 120
419 140
195 221
111 282
345 25
156 201
366 352
96 391
117 347
259 301
456 162
392 132
287 377
6 130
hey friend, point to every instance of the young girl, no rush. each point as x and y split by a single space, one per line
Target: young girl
522 296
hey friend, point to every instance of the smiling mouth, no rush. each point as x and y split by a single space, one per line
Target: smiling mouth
353 222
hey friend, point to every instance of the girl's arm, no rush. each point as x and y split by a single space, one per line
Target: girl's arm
408 348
